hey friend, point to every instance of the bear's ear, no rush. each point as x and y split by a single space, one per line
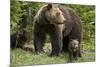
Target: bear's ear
49 6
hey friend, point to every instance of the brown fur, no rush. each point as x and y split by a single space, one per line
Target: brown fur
61 23
73 49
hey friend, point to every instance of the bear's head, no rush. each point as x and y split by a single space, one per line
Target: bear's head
54 14
73 45
50 14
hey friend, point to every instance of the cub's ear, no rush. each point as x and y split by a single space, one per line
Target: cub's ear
49 6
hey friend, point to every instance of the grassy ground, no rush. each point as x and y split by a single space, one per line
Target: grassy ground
22 57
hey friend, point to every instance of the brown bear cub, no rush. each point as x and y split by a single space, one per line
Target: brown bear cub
73 49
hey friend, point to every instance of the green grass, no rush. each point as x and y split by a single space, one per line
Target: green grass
22 57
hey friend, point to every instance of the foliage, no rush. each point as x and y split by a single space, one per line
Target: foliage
15 14
18 9
22 8
21 57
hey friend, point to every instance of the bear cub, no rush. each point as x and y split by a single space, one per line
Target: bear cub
73 49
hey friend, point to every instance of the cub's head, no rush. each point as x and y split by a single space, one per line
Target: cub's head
73 45
50 14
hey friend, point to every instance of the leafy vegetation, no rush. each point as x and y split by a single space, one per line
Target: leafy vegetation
20 9
21 57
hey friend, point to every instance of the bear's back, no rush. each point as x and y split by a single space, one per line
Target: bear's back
73 25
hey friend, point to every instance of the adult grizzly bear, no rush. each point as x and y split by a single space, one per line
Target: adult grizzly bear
61 23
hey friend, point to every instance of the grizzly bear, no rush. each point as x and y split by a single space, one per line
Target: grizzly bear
73 48
61 23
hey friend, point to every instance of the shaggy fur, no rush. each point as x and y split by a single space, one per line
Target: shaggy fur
73 49
61 23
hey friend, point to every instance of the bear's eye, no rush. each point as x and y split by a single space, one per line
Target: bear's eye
57 14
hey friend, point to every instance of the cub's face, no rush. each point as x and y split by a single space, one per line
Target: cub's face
54 14
74 45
